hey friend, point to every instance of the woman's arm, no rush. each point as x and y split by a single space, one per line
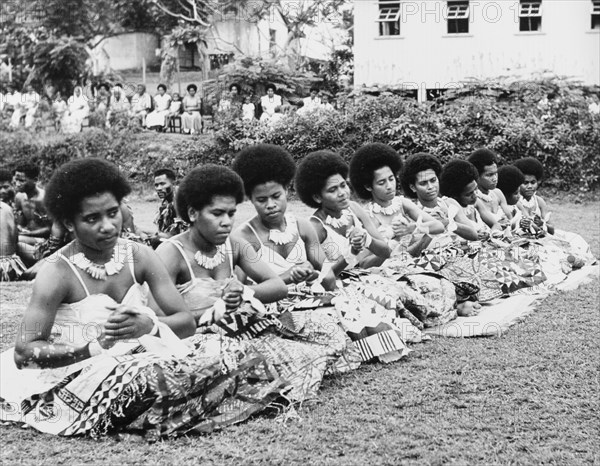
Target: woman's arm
487 216
379 245
32 349
153 271
544 213
269 287
435 226
503 204
340 264
464 227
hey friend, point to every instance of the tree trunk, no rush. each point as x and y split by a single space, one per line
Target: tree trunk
168 65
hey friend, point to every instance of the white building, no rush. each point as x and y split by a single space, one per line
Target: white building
434 44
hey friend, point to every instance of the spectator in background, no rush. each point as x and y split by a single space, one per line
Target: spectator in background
248 109
27 107
141 104
270 102
118 107
167 220
77 111
175 108
31 217
191 119
102 98
12 98
11 266
312 102
325 104
7 192
158 117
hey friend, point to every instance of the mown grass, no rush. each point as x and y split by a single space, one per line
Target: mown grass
528 397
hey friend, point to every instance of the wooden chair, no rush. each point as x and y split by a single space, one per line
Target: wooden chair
175 124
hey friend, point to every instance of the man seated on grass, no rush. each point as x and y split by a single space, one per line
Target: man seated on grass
167 220
31 217
486 163
11 266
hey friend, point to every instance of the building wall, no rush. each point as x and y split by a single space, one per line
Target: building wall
424 56
126 51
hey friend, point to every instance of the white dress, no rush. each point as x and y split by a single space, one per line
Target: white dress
160 112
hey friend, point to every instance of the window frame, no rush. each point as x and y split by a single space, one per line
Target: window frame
458 16
388 18
530 14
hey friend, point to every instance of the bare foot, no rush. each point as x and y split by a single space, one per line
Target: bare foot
468 309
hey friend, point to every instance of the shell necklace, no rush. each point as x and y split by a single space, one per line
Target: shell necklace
287 235
102 271
392 209
210 263
343 221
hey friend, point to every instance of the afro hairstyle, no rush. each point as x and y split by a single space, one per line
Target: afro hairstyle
531 166
482 158
414 165
271 86
262 163
456 175
199 186
30 170
366 160
72 182
313 172
509 179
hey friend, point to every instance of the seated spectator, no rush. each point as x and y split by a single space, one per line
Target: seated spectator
311 103
224 102
174 108
26 108
277 116
118 108
269 102
11 266
102 98
12 98
191 119
248 109
167 220
7 192
157 118
59 109
78 110
325 104
31 218
141 104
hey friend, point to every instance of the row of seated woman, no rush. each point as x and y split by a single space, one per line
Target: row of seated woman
220 323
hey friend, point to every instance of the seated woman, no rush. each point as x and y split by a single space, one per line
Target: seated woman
78 110
174 109
191 118
420 181
373 171
288 245
459 182
156 119
343 227
510 180
269 103
201 263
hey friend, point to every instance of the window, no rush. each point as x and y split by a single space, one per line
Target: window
596 14
389 18
458 17
530 15
219 60
272 41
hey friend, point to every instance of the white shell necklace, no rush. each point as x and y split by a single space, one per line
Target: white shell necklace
343 221
102 271
392 209
287 235
210 263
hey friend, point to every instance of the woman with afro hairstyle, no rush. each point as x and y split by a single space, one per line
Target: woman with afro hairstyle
373 171
486 163
201 261
532 206
420 181
459 182
89 306
344 229
289 245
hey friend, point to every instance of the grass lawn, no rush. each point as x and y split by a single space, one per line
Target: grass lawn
528 397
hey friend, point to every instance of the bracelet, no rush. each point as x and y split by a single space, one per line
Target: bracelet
368 241
154 331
